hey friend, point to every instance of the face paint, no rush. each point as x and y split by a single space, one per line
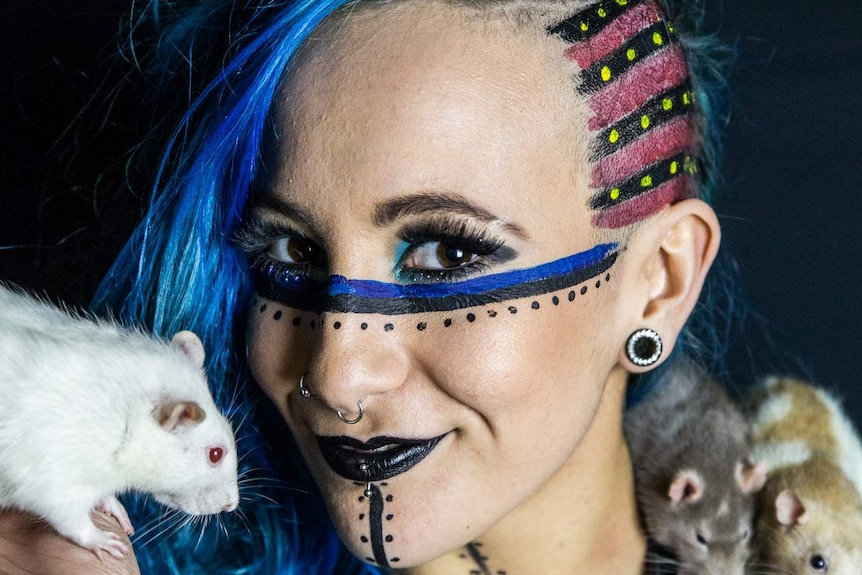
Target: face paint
276 282
377 517
634 74
473 553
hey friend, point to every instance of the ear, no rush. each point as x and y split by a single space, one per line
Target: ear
686 487
190 344
175 415
751 476
789 510
673 252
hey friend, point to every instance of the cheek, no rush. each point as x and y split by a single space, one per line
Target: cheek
280 342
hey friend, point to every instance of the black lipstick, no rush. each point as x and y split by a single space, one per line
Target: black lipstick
377 459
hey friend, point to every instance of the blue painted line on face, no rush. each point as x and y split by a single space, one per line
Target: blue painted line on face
340 294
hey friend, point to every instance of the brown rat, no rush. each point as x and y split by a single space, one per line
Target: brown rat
695 485
810 511
90 410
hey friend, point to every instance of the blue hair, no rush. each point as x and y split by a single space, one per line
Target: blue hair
180 270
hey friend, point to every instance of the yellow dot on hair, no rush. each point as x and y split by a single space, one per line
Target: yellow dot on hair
667 104
646 181
686 98
585 26
631 54
602 13
615 193
644 121
622 2
657 39
606 73
669 27
614 136
674 167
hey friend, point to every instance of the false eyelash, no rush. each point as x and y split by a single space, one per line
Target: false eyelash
461 233
256 235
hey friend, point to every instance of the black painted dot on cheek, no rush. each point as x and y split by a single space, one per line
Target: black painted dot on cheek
492 313
389 517
471 317
447 322
337 325
364 539
363 326
296 321
555 300
262 308
388 327
598 284
513 309
535 305
389 538
572 295
277 315
608 277
421 326
583 290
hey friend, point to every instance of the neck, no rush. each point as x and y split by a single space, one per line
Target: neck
584 520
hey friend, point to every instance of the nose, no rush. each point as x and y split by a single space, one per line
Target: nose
357 357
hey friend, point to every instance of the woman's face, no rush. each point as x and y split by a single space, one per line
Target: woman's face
417 146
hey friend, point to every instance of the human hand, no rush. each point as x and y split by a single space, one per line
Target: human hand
29 546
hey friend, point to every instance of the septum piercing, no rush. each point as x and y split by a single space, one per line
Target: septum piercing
305 392
355 419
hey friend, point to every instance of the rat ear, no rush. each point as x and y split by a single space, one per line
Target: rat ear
173 415
686 487
750 476
190 344
789 509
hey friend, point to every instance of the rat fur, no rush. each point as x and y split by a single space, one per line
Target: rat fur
810 511
695 486
90 410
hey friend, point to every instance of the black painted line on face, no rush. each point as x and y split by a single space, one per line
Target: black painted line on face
478 558
375 520
351 303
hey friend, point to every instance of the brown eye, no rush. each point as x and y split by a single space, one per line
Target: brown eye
293 250
216 454
452 256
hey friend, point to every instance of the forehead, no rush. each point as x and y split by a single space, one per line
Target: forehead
431 96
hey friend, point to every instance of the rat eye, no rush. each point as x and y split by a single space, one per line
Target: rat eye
702 540
818 563
215 455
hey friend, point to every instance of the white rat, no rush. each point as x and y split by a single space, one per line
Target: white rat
810 511
693 478
89 410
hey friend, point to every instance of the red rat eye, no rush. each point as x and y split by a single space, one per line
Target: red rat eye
216 453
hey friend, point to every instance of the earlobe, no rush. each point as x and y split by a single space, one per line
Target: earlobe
677 252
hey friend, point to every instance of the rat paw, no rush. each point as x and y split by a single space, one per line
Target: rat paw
112 506
110 543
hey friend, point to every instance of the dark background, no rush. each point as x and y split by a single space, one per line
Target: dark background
790 208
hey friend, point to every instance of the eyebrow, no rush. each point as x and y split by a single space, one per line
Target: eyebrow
285 208
434 202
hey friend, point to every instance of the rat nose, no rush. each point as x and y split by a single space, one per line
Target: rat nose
357 356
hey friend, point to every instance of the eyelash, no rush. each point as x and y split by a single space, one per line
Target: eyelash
258 235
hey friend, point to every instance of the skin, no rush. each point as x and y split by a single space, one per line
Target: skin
425 98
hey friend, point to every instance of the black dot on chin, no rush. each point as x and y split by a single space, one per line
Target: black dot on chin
513 309
471 317
572 295
361 499
421 326
583 290
337 325
447 322
492 313
395 559
534 305
277 315
296 321
388 327
361 516
555 300
389 517
389 498
389 538
364 539
363 326
262 308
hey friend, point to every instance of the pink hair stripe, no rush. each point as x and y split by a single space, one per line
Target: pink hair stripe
641 207
659 144
652 76
614 35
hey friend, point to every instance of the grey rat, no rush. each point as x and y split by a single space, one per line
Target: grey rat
90 409
694 483
810 511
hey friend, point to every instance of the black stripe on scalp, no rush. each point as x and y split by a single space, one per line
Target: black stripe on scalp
589 22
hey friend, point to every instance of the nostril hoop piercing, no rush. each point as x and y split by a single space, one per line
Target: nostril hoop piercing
355 419
304 391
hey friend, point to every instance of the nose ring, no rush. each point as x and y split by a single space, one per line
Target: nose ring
304 391
355 419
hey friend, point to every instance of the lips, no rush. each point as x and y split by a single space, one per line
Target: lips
376 459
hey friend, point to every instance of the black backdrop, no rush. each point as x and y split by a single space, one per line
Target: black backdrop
790 209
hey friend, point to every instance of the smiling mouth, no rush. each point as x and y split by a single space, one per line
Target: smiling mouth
376 459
